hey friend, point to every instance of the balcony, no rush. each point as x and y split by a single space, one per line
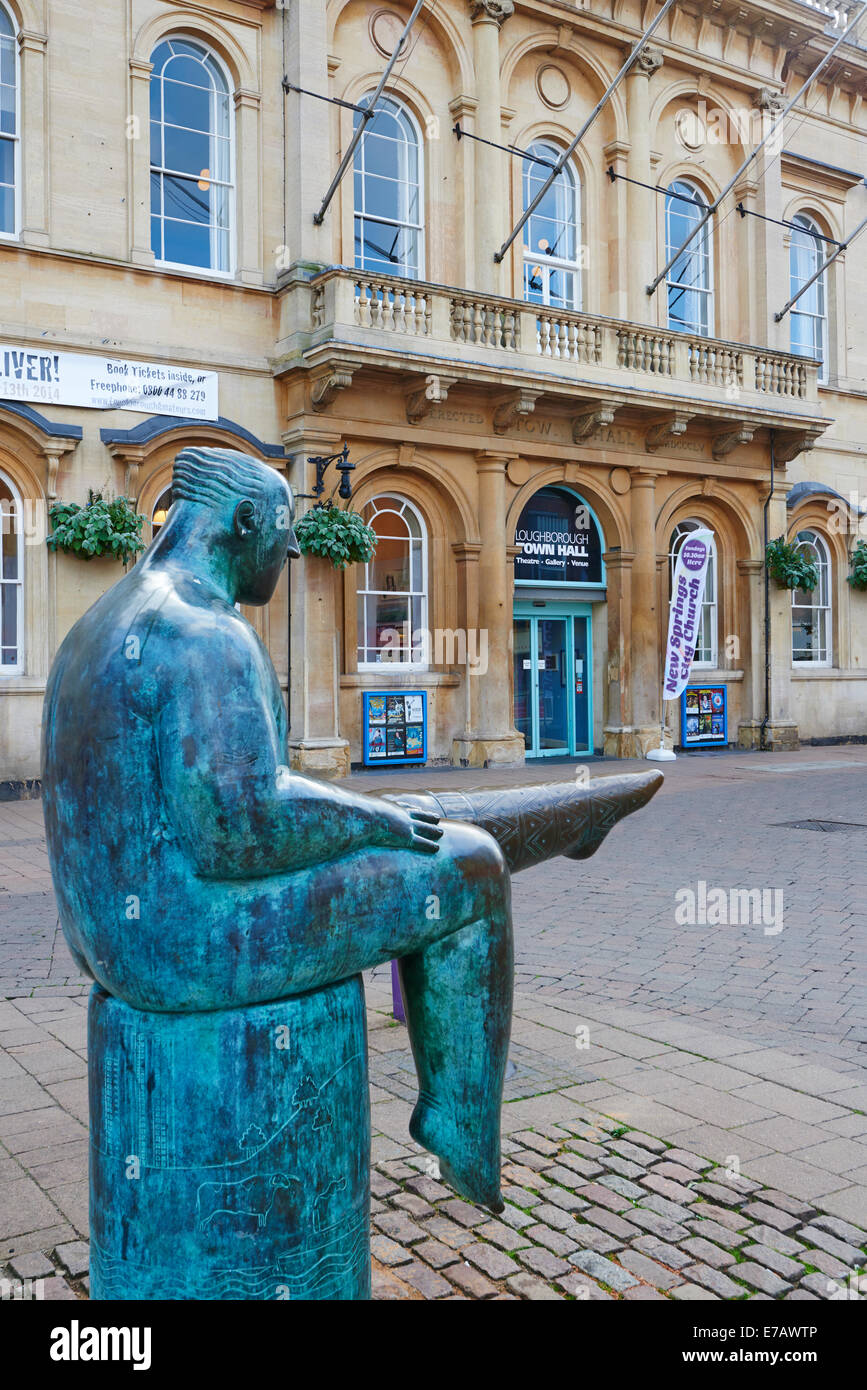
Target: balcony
343 321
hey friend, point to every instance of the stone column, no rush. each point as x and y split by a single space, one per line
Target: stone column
315 743
750 630
309 151
617 733
34 122
769 267
248 199
494 739
782 730
139 179
646 670
641 204
491 165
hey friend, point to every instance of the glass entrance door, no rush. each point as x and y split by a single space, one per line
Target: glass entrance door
552 689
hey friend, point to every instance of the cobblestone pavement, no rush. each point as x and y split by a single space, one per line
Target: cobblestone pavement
645 1051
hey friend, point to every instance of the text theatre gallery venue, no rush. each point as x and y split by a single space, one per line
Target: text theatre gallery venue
552 347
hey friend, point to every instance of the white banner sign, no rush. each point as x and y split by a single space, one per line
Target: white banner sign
687 594
106 383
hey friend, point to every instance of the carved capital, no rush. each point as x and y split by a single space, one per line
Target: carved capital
520 404
789 446
497 10
649 61
131 456
326 387
53 452
731 439
672 427
434 392
594 417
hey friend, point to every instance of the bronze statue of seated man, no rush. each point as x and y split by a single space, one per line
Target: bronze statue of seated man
195 873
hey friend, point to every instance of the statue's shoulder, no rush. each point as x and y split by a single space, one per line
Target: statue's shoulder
186 618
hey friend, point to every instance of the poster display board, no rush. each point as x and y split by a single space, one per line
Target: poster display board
704 715
395 727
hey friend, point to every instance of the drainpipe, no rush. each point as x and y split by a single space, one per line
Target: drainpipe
765 721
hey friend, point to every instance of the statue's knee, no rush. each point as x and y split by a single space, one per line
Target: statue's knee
481 858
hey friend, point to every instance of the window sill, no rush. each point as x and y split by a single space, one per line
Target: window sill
358 680
20 684
806 672
709 676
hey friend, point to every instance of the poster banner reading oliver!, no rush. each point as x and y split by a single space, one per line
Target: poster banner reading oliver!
107 383
687 594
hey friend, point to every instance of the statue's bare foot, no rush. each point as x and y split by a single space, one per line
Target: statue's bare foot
463 1165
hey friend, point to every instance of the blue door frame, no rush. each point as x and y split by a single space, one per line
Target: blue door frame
579 704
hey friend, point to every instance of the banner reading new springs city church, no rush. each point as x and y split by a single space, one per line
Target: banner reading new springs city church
687 594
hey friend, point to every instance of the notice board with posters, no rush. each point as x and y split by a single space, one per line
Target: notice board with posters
395 727
704 715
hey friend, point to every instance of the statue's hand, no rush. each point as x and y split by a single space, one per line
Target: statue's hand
398 828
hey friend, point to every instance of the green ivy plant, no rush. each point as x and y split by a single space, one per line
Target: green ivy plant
858 566
789 567
101 528
341 537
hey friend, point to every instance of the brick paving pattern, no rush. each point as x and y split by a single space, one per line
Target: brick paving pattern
653 1062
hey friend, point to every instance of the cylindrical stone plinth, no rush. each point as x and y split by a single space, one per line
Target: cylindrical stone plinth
230 1151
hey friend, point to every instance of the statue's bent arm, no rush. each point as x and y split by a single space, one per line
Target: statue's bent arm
237 811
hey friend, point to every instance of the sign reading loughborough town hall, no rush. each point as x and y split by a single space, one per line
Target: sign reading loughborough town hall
559 540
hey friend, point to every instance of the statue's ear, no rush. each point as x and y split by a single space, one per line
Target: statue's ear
244 518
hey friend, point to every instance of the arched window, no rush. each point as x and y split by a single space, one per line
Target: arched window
552 236
389 224
9 143
811 611
690 280
809 331
392 598
11 580
192 191
160 511
706 647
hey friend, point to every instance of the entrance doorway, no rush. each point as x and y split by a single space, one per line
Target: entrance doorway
553 671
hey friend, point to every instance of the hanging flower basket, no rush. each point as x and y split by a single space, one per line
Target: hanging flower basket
341 537
789 567
858 566
101 528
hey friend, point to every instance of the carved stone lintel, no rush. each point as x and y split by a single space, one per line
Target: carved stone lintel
649 61
326 387
672 427
498 10
521 404
593 418
788 446
723 444
434 392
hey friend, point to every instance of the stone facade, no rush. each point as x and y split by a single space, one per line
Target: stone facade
452 391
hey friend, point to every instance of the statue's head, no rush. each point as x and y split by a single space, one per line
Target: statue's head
246 509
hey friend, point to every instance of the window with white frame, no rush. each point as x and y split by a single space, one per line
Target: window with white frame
392 599
161 511
809 317
552 236
192 175
389 203
689 283
811 610
9 142
11 580
706 648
